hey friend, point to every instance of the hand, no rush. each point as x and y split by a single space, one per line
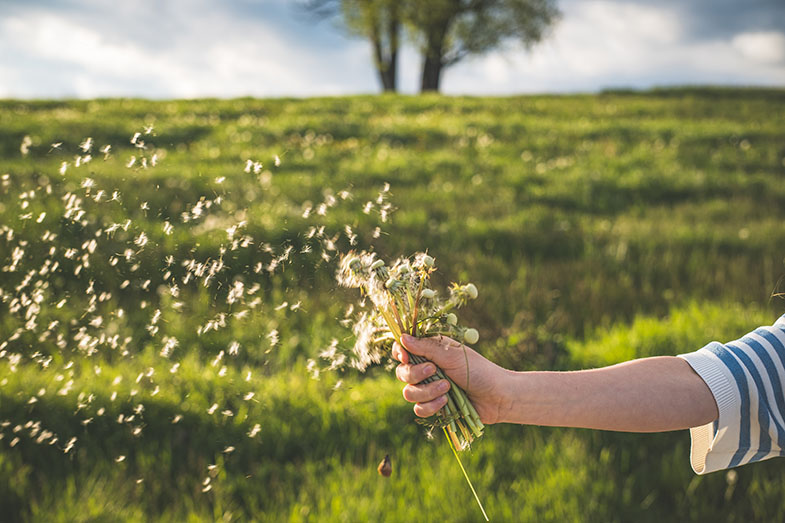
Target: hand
482 380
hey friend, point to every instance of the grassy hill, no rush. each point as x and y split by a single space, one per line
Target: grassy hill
159 299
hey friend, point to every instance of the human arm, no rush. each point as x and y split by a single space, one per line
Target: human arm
645 395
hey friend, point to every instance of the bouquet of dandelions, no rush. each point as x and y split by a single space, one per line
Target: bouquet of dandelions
404 303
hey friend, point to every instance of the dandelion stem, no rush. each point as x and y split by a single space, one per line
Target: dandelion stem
465 475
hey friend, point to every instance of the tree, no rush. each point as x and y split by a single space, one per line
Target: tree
377 20
447 31
450 30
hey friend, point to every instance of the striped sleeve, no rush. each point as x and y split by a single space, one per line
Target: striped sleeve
747 379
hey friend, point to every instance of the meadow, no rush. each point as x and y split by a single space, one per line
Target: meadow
164 302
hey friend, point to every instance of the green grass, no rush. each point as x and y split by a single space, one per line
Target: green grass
598 228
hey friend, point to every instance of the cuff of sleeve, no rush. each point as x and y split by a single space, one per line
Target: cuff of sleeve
719 380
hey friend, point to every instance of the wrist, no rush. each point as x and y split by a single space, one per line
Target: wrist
510 396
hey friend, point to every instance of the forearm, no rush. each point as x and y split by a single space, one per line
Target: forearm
645 395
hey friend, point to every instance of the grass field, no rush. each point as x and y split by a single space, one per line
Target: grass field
160 300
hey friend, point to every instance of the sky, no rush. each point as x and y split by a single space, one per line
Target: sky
270 48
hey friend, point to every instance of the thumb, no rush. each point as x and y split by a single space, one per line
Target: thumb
437 349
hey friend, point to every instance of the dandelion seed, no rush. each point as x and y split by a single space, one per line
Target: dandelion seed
177 419
228 450
313 368
255 430
119 459
25 147
248 396
86 145
212 409
63 168
277 161
228 413
141 240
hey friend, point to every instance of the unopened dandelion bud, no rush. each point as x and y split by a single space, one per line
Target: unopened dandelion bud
391 284
427 261
378 264
471 290
428 294
451 319
355 264
471 336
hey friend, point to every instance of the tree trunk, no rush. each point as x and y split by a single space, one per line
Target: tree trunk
393 29
431 73
386 59
433 61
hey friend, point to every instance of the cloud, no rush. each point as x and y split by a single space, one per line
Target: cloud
625 44
145 51
764 47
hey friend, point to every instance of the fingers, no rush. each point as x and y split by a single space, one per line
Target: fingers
399 353
425 410
425 392
415 373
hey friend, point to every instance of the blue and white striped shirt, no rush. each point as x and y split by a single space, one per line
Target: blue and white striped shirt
747 379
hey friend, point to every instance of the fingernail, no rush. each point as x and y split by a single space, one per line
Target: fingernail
443 386
429 369
408 338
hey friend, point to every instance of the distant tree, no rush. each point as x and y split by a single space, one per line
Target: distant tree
446 31
450 30
377 20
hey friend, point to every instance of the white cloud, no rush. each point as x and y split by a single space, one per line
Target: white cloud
612 44
764 47
210 54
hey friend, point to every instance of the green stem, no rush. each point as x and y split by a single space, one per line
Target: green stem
465 475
